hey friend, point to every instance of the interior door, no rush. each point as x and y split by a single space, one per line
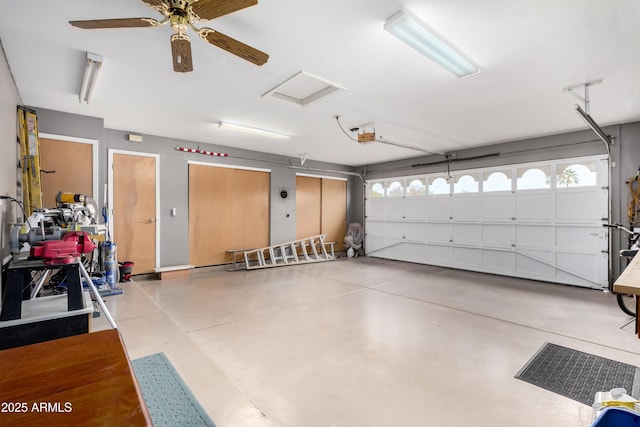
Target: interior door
228 209
334 211
71 166
308 206
134 210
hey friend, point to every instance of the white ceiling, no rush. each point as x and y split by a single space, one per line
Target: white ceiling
529 51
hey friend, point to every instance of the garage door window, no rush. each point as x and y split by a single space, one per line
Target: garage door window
466 184
439 185
416 187
496 181
534 178
377 190
576 175
395 188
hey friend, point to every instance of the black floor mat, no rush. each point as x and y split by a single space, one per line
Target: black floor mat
577 375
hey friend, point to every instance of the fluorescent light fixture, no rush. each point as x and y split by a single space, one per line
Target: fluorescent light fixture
593 125
413 32
252 130
90 76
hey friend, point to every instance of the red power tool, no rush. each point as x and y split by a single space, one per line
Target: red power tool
65 250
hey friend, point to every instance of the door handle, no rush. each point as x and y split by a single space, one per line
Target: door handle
150 221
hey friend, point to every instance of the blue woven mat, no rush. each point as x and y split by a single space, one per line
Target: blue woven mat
169 400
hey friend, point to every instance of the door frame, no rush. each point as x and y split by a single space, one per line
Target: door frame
94 156
224 165
309 175
111 152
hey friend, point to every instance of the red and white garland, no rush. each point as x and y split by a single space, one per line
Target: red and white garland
199 151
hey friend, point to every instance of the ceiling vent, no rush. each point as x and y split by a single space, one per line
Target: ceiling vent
303 88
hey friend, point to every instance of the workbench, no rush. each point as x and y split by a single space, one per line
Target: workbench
19 281
83 380
629 283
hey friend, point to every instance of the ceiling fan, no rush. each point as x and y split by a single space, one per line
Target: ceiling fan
181 14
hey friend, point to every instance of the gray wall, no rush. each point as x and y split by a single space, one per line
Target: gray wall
174 231
625 160
9 148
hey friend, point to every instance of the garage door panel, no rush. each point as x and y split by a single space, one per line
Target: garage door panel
415 208
394 229
501 235
374 244
498 207
535 206
385 248
376 208
467 234
394 208
416 231
438 207
498 261
541 236
581 238
576 264
466 206
411 252
468 257
438 232
376 228
536 263
574 205
440 254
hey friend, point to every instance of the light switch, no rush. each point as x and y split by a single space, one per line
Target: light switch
173 212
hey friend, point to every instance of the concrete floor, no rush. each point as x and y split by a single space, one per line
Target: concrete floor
368 342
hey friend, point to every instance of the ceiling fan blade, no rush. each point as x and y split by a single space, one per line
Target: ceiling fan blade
181 52
156 3
161 6
233 46
115 23
210 9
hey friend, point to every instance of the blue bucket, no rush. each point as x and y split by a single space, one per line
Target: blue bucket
617 417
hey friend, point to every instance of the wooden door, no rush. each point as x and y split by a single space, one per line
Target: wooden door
308 206
134 206
228 209
334 211
73 166
321 207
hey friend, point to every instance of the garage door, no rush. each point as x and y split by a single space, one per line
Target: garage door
538 220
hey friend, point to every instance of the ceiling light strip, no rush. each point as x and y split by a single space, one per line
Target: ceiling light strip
416 34
252 130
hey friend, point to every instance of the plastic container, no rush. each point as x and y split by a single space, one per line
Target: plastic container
126 269
617 417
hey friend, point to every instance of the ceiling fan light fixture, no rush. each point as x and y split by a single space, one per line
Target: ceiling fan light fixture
90 77
416 34
252 130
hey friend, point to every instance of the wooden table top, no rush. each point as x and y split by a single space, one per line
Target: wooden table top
83 380
629 280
